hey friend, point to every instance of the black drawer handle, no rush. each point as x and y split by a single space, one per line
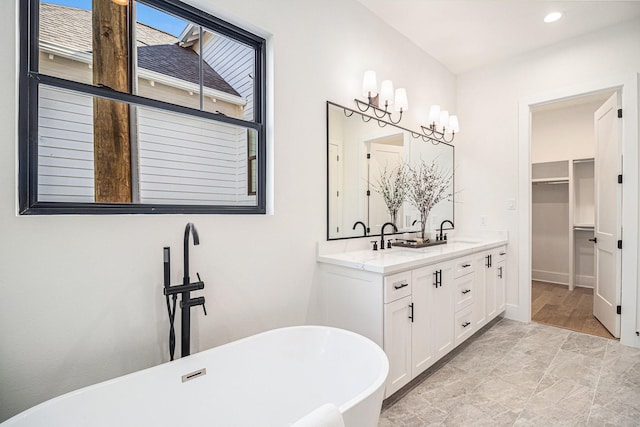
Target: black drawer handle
400 286
411 315
503 253
466 291
466 265
465 324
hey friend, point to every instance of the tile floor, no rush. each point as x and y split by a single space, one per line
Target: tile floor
527 375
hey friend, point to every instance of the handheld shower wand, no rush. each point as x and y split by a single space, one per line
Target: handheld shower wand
171 310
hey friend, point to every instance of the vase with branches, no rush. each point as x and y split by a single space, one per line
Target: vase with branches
427 186
392 186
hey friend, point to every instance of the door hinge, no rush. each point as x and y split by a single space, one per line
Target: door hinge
338 193
619 244
368 155
619 113
619 309
368 193
620 179
337 158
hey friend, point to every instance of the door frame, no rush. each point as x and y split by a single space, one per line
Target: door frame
627 85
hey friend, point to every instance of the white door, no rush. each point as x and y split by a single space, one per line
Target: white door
383 157
608 200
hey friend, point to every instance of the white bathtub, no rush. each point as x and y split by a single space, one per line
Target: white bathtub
270 379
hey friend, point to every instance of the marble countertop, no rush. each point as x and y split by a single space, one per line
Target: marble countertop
399 259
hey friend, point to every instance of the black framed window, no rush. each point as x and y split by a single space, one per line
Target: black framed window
139 106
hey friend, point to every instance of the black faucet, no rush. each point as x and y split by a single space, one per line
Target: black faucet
364 227
441 225
382 232
185 290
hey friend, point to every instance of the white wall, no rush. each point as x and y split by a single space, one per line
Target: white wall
487 146
82 295
563 133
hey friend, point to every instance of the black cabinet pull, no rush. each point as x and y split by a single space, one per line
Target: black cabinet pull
465 324
400 286
466 291
500 272
466 265
594 240
411 315
502 253
437 278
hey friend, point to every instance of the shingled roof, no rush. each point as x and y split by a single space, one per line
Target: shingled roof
158 51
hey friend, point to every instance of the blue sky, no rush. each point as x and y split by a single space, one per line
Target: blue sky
145 14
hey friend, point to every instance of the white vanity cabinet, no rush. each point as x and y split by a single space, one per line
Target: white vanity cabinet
464 297
418 309
489 279
397 329
432 308
417 331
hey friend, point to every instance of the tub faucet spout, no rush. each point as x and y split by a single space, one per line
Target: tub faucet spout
184 290
189 229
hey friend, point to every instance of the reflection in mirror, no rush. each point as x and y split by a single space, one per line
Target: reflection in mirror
360 152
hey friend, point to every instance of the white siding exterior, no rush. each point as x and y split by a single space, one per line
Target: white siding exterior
235 63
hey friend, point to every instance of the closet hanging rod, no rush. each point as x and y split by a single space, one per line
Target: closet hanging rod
584 161
557 181
583 228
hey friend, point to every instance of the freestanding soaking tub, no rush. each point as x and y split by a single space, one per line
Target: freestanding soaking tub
270 379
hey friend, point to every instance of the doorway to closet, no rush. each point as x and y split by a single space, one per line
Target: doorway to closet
568 271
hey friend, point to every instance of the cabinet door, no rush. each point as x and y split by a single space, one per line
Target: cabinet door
500 286
397 343
442 309
490 276
480 299
422 343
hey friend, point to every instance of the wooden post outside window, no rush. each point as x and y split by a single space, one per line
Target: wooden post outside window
111 131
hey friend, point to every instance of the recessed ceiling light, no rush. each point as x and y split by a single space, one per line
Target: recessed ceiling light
552 17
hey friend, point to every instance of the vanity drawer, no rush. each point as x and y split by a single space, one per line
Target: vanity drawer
397 286
463 291
501 254
463 325
463 266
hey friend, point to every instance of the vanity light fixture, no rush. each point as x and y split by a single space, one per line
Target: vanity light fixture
386 98
440 125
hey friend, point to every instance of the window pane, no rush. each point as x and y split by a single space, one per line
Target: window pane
67 45
65 146
234 63
189 160
65 41
168 65
178 159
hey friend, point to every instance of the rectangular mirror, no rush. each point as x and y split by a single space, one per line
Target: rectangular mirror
359 150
